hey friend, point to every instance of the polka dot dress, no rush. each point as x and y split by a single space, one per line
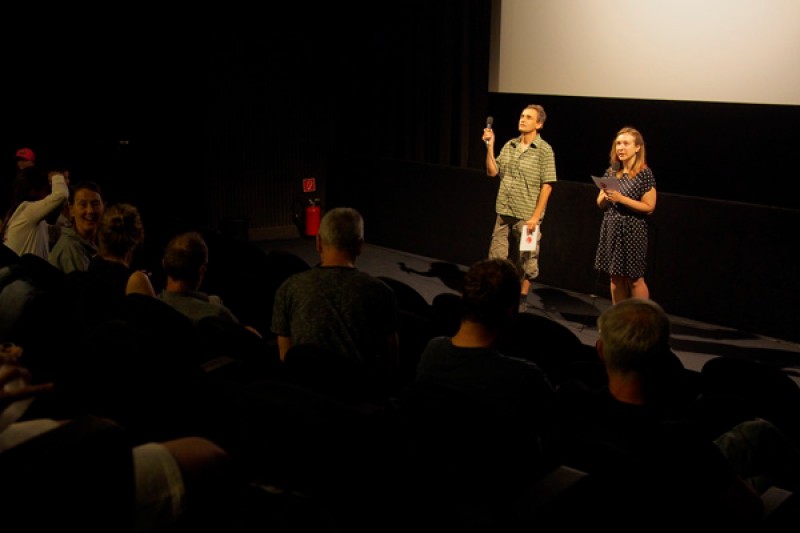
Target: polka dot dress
622 248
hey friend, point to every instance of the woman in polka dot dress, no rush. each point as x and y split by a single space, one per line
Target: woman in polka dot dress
622 249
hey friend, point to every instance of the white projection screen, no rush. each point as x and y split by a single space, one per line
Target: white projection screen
738 51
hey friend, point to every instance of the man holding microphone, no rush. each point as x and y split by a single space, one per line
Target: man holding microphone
526 168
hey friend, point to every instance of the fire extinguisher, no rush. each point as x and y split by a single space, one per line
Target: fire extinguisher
307 215
312 217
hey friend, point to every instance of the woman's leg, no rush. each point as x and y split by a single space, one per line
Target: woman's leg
620 289
638 288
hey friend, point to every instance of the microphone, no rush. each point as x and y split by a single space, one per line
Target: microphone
615 166
489 122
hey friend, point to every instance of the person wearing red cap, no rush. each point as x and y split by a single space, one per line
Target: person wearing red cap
25 158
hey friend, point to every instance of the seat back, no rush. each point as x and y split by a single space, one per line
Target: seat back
176 332
556 347
34 313
240 353
331 374
734 390
77 477
465 448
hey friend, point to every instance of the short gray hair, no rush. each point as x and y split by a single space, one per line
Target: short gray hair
633 332
342 228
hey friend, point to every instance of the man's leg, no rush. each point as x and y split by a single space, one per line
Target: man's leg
499 248
530 266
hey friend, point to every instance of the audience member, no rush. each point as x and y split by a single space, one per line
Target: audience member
120 235
762 455
221 334
171 479
25 158
469 361
336 306
37 196
185 262
661 465
77 243
99 292
476 414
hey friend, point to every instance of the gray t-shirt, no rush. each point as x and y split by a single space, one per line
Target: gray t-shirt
339 308
197 305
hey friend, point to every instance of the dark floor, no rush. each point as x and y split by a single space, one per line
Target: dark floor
694 342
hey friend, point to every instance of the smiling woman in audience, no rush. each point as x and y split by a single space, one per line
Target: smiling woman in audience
78 244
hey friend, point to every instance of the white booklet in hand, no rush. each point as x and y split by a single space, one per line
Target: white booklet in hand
529 241
606 183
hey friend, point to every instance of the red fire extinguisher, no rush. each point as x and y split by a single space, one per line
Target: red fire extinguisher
312 217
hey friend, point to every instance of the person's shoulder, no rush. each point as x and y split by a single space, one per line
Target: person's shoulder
67 238
436 344
646 178
383 288
298 277
168 296
373 279
65 245
519 362
367 279
214 299
437 351
98 262
60 246
139 282
298 283
524 369
102 264
543 144
646 173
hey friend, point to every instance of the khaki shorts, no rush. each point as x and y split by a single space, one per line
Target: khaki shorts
505 245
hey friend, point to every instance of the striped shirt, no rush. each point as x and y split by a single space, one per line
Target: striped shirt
522 173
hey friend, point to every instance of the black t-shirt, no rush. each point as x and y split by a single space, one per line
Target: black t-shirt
658 466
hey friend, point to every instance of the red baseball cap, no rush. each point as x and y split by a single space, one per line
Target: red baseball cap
26 154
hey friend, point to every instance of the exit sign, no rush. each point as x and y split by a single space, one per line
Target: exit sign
309 185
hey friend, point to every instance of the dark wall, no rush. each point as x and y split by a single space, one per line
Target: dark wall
161 103
739 152
722 262
204 113
435 211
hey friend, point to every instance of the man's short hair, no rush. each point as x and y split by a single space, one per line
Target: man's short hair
184 255
491 289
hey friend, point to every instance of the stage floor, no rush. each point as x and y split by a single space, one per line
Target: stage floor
694 342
